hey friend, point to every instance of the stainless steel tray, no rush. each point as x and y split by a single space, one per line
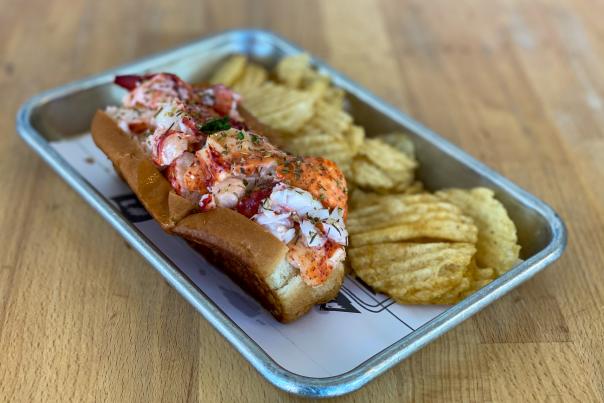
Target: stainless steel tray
66 111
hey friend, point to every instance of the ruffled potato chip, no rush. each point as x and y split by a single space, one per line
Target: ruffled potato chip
229 71
291 70
407 218
497 244
360 198
414 273
252 76
280 107
380 167
400 141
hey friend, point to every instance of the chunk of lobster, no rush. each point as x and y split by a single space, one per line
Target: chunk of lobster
169 146
222 99
152 90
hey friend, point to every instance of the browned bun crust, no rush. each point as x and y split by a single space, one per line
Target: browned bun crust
246 251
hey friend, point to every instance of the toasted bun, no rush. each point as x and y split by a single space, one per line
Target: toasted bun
247 252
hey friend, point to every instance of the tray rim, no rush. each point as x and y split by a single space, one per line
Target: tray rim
264 364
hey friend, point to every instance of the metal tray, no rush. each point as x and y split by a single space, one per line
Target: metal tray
66 112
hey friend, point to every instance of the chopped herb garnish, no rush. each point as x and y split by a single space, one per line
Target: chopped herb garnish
216 125
337 229
240 135
254 138
312 238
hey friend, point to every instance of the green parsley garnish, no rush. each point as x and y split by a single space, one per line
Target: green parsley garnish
240 136
255 138
216 125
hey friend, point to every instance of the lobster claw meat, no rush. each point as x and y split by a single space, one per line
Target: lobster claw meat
128 81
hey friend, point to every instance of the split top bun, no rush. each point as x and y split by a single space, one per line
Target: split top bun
202 168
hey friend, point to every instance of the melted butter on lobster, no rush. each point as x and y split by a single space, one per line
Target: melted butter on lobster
204 148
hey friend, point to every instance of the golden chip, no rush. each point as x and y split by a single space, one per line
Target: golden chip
386 157
280 107
252 76
360 198
371 177
354 135
416 187
497 240
406 218
315 83
290 70
413 273
327 119
229 71
381 167
321 150
335 97
317 138
407 188
400 141
475 279
368 176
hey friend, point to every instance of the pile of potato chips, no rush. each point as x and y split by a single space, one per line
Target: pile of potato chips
416 246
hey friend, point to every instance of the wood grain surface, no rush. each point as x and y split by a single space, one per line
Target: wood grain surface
519 84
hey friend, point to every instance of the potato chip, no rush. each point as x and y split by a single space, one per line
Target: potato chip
453 295
414 273
328 120
317 138
229 71
474 279
385 156
497 240
280 107
354 135
416 187
407 188
360 198
315 83
252 76
406 218
290 70
400 141
380 167
368 176
335 97
321 150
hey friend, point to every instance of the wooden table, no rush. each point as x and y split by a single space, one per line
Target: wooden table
519 84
